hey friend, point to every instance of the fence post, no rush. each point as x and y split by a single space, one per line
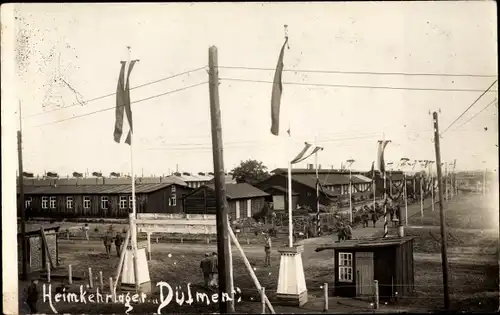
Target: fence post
91 281
263 299
149 245
111 285
70 274
48 272
325 291
101 282
375 283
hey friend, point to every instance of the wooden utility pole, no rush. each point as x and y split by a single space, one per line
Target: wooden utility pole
223 247
21 203
444 255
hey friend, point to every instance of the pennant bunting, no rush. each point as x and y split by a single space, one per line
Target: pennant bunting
276 93
305 153
123 102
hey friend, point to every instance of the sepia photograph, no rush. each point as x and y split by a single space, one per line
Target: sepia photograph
250 157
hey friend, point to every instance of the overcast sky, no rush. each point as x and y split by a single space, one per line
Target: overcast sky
174 129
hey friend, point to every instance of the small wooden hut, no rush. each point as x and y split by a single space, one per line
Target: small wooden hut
42 247
359 262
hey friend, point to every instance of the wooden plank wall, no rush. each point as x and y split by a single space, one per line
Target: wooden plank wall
201 202
95 209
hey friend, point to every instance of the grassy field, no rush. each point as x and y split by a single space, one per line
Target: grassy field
473 286
472 239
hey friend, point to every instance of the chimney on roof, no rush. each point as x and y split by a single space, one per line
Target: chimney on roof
310 166
319 166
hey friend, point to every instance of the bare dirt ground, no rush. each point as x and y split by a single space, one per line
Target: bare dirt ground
472 258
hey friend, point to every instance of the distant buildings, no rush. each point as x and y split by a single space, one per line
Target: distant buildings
244 200
334 186
192 180
112 197
101 197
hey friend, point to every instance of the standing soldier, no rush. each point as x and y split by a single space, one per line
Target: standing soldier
340 232
374 217
348 232
364 217
267 249
206 268
32 297
214 270
86 231
118 243
108 240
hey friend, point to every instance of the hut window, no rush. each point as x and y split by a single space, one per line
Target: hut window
27 203
123 202
238 214
345 267
173 188
86 202
45 202
130 202
104 202
69 202
52 202
173 200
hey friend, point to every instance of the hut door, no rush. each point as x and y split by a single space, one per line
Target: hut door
364 273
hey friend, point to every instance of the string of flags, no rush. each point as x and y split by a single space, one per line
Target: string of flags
306 152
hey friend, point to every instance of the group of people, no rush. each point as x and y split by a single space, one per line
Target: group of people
367 214
344 231
209 268
111 237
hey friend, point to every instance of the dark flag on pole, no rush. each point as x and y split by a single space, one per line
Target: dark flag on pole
371 173
380 155
276 94
123 103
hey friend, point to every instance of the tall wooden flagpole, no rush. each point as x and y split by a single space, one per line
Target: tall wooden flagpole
350 194
22 206
290 205
223 245
406 200
318 217
432 185
132 216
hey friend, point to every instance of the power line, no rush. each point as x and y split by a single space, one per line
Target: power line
114 93
367 72
357 86
482 110
114 107
474 103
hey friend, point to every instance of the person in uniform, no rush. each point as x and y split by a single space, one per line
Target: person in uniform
86 231
118 243
348 232
341 232
214 271
374 217
108 240
267 249
206 268
32 297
